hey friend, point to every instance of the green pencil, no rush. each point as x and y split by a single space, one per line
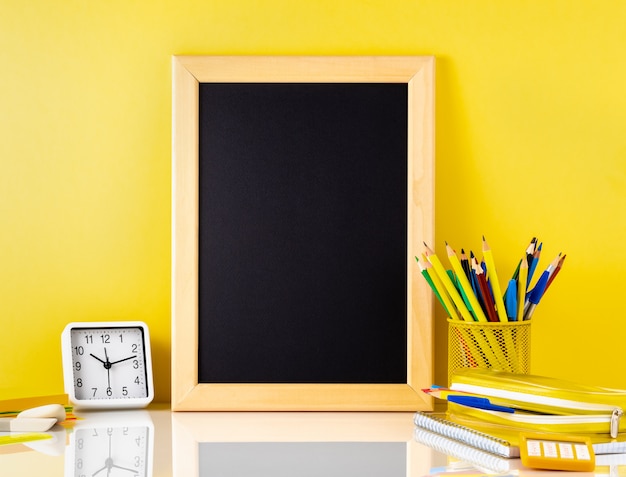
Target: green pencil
430 282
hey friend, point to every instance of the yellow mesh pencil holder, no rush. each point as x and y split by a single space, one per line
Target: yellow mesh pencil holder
496 345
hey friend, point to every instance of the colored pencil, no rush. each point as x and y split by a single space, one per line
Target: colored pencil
556 271
470 291
465 284
440 292
530 250
429 280
485 293
521 289
510 300
539 290
533 264
449 286
516 272
493 278
466 265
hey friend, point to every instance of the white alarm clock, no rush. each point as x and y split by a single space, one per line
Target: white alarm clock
107 365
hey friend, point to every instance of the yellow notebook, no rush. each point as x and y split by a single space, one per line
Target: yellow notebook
540 403
539 393
14 406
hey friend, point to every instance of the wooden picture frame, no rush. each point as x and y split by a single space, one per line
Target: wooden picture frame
189 72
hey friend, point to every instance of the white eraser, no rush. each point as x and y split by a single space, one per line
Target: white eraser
55 411
27 424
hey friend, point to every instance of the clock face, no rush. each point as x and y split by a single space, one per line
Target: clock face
109 363
111 451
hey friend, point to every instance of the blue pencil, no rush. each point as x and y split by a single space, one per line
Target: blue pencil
533 265
510 300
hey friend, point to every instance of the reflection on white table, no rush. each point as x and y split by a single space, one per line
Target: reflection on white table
305 444
159 443
106 444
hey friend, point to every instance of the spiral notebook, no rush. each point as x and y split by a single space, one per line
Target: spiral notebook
484 461
494 444
465 435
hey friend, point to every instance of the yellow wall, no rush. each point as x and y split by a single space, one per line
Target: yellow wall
530 140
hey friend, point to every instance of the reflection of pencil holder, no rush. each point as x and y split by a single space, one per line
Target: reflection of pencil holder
502 345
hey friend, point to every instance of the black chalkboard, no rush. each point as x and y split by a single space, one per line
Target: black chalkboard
302 269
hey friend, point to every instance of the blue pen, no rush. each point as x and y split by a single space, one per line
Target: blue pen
534 296
478 403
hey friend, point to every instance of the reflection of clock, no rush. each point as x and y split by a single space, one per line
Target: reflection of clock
120 446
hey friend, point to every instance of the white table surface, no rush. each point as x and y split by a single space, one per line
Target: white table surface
247 444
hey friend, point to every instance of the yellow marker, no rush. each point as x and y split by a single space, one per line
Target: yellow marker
493 278
465 284
19 438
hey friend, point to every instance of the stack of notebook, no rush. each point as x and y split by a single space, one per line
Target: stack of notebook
488 409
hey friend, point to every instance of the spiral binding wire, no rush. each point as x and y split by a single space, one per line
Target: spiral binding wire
483 461
463 434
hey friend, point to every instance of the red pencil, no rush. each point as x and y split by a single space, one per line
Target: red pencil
486 296
556 270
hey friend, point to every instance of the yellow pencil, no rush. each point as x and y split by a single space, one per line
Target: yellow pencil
445 279
521 288
465 284
493 277
441 289
490 347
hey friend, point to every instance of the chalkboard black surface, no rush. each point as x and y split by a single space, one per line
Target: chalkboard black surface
302 274
305 199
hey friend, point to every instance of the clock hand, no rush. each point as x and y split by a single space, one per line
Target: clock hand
99 470
107 364
109 461
124 468
108 464
125 359
103 362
